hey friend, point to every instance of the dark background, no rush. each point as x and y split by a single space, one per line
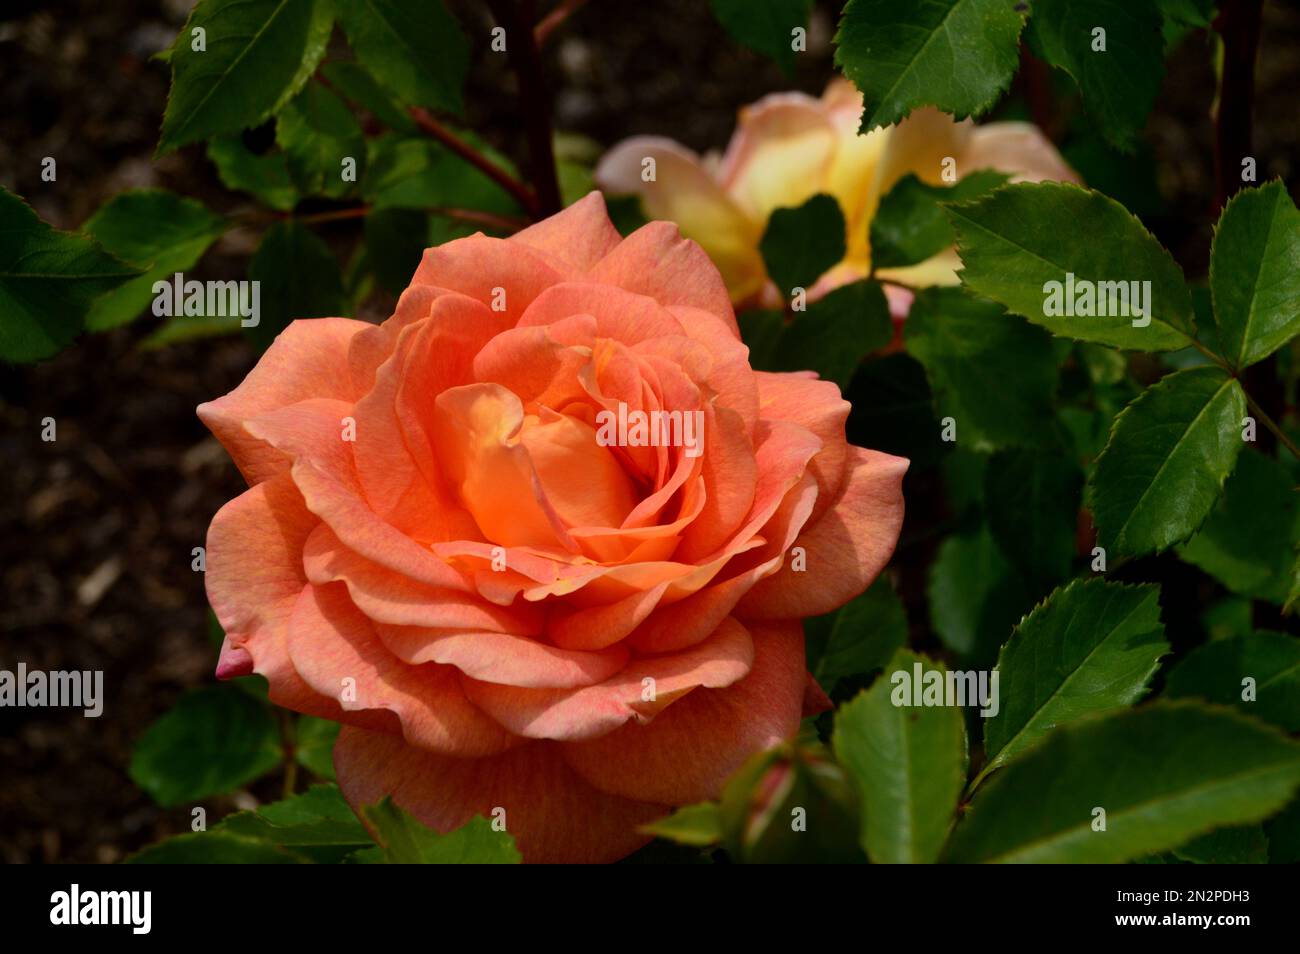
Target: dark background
96 529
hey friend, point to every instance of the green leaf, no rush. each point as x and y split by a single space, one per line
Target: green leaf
314 745
405 841
910 226
299 278
958 55
699 825
1033 499
766 27
356 84
1119 85
836 333
395 242
213 741
858 638
266 176
1165 463
893 410
1090 647
317 133
153 229
1217 672
1018 239
991 372
1163 773
215 847
1238 845
48 282
192 328
1248 541
413 47
802 242
258 55
975 596
319 816
1255 273
420 174
1283 833
908 763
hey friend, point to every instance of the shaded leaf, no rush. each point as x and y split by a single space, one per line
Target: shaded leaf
404 840
299 278
266 176
48 282
1163 774
699 825
991 372
155 230
766 27
958 55
802 242
1217 672
317 133
910 226
213 740
1119 84
908 763
1248 541
1164 466
413 47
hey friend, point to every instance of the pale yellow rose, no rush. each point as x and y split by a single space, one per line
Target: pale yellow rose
791 146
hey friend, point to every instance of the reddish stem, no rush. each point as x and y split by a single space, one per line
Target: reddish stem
549 23
521 193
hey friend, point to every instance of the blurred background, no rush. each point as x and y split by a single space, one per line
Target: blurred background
96 529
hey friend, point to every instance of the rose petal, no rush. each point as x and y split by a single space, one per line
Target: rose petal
845 550
689 750
553 815
596 710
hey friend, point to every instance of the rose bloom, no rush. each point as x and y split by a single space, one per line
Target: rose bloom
790 146
504 612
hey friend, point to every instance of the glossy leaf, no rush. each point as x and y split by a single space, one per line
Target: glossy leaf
1165 463
256 56
48 282
1090 647
1163 773
908 763
958 55
1018 239
1255 273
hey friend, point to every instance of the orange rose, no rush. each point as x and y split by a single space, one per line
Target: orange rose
439 550
790 146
